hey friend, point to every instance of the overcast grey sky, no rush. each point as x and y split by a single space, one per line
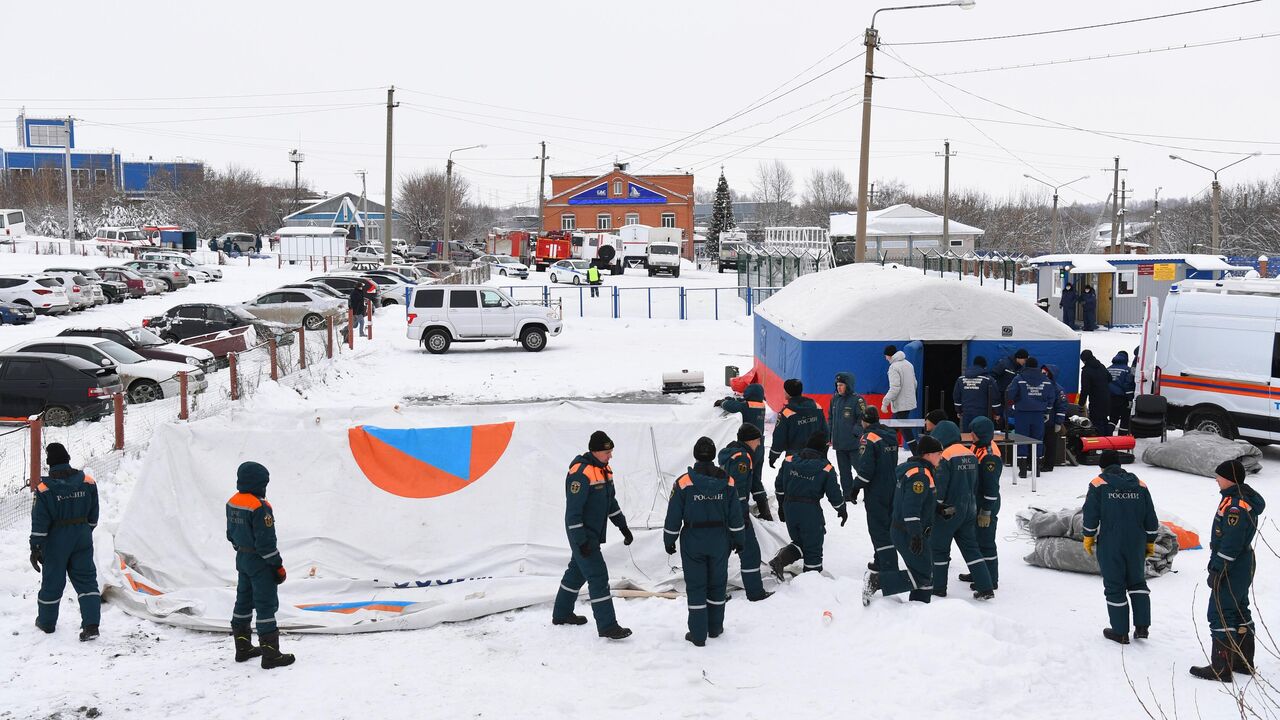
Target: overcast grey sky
605 80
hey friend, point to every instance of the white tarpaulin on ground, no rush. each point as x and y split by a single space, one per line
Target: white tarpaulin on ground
392 519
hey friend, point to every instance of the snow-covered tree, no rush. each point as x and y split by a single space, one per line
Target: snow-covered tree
721 216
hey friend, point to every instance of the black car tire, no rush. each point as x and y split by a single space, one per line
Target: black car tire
312 321
58 415
436 342
171 338
1209 419
533 339
168 286
144 391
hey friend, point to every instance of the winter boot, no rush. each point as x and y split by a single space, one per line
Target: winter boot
569 620
245 649
1115 637
966 577
984 595
767 594
715 633
1242 659
870 584
939 593
617 632
88 632
974 586
1219 667
787 555
873 567
921 596
44 629
1142 632
689 636
1023 464
271 655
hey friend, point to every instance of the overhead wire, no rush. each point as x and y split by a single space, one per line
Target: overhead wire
191 97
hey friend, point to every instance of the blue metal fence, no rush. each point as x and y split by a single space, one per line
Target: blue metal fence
656 302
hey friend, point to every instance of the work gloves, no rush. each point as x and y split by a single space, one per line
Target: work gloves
917 544
627 537
280 574
37 557
737 548
984 520
1215 579
588 548
853 496
1151 549
671 548
1089 541
773 458
843 514
719 402
762 508
945 511
782 510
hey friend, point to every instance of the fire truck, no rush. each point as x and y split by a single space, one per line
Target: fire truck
539 250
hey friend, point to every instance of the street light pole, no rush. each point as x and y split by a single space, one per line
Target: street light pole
448 195
871 39
1056 232
1216 197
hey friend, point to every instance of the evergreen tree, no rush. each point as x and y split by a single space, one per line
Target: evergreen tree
721 216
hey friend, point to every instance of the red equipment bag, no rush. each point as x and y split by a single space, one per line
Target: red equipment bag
1107 442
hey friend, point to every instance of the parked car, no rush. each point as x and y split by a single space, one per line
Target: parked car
130 236
435 269
372 254
171 274
43 294
570 271
326 290
391 289
144 380
409 272
505 265
390 272
191 320
15 314
195 269
64 388
154 286
149 345
134 283
294 307
112 291
237 242
440 315
421 252
13 224
79 290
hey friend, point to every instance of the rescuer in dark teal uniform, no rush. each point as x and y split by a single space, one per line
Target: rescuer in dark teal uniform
914 505
877 476
844 417
251 530
589 502
975 394
63 517
990 465
1231 566
802 482
797 422
752 408
1032 396
737 460
1120 527
705 514
956 485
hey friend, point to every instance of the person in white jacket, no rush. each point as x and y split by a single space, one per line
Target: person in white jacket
902 390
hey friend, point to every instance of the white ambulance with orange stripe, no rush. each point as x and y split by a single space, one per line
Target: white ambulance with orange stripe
1217 358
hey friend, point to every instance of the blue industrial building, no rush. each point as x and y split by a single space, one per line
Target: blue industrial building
41 150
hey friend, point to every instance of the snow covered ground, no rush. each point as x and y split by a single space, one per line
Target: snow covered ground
1036 651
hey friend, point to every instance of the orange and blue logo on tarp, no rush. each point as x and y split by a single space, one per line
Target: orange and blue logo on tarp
427 462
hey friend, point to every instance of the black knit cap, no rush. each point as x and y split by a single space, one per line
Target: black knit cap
599 442
1107 458
871 414
704 450
890 350
1033 363
817 441
56 454
980 362
793 388
1022 353
936 416
927 444
748 432
1232 470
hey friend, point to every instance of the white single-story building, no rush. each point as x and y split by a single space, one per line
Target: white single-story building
899 231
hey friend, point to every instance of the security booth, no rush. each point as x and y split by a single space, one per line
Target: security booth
841 320
1123 282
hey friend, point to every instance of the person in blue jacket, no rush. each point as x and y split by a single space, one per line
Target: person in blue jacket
63 516
1031 396
705 515
1005 373
752 408
990 466
1120 526
590 501
251 530
797 422
844 417
1122 390
737 459
957 486
877 469
914 508
1068 304
1089 304
802 482
1231 567
976 395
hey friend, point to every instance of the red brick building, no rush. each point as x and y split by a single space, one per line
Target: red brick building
617 198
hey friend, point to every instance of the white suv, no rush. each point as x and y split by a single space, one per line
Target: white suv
41 293
440 315
198 272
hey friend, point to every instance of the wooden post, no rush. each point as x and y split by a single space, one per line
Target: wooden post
271 348
235 376
182 391
302 348
35 427
328 340
279 261
351 329
117 406
368 318
324 262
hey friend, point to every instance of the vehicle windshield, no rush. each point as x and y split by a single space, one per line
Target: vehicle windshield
144 337
505 260
132 235
579 264
118 352
91 275
663 249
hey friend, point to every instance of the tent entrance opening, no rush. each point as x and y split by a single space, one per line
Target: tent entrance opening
943 364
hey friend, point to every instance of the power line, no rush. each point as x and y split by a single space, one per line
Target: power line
234 117
189 97
831 110
1056 31
1109 56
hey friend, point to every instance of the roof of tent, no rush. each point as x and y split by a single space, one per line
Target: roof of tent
866 301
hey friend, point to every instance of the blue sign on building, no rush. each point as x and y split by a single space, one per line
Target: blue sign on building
635 195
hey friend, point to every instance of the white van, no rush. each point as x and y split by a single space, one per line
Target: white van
1217 359
13 224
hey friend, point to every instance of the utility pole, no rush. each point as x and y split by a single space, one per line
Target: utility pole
870 40
946 195
70 232
1115 200
542 185
1216 198
364 206
448 200
871 196
1155 220
390 188
1124 197
296 158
